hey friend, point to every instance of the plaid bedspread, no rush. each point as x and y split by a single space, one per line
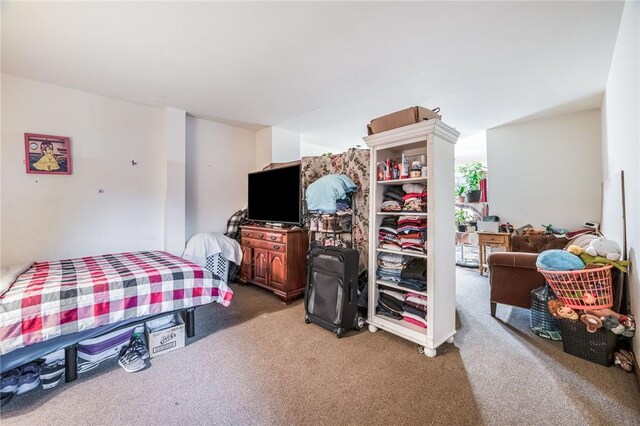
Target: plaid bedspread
52 299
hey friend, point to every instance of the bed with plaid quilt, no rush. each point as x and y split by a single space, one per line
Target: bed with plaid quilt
56 298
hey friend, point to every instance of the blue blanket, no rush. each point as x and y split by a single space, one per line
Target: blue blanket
322 194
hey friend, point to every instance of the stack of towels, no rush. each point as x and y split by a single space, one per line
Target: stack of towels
409 307
411 231
415 197
388 234
405 271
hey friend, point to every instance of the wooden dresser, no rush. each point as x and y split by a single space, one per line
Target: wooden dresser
274 259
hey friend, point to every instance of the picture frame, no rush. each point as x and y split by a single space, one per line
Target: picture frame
47 154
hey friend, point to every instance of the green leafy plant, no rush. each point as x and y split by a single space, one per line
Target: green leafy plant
473 173
462 217
460 190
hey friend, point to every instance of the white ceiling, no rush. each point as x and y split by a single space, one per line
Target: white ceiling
322 69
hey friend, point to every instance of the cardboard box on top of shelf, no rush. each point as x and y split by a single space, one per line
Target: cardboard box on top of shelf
401 118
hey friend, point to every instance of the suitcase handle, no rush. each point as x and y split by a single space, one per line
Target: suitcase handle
308 288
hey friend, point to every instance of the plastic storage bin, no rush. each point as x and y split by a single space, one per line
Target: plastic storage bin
596 347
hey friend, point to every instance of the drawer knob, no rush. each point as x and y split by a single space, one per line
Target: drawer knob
277 247
260 235
273 237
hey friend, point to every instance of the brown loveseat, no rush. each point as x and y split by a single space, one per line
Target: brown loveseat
512 275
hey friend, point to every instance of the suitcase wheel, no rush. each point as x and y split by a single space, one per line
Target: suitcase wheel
306 319
358 322
340 332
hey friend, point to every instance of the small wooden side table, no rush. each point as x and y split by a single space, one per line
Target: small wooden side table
491 239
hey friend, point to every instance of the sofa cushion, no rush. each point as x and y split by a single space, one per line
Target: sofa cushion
537 243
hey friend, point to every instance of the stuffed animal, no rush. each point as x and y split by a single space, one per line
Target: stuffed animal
549 229
533 231
577 250
605 248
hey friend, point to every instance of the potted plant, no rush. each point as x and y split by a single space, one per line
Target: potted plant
473 173
461 219
460 193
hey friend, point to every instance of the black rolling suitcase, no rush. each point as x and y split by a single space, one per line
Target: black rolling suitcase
331 296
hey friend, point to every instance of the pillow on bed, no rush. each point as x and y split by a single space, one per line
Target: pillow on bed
10 274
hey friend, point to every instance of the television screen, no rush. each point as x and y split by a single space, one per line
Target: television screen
275 195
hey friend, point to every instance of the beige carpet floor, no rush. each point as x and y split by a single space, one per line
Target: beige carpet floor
257 362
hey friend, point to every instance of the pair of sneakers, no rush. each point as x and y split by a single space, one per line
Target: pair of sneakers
132 357
52 374
20 380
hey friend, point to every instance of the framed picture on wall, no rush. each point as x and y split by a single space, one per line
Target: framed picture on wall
46 154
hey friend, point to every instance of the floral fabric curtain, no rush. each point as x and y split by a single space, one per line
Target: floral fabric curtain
355 164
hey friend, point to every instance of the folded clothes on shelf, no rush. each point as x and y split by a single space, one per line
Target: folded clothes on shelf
407 306
389 307
421 307
413 188
392 275
417 299
415 311
411 231
414 319
399 296
405 271
415 197
394 193
391 206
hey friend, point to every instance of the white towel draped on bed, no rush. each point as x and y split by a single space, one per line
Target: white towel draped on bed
206 244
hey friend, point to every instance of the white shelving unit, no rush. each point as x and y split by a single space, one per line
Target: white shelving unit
436 140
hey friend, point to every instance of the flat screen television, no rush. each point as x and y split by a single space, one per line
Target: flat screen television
275 196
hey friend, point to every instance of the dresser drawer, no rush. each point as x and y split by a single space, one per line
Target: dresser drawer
264 235
494 239
277 238
267 245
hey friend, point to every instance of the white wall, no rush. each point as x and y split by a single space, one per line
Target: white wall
471 148
219 157
546 170
620 149
56 217
174 138
285 145
276 145
263 148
